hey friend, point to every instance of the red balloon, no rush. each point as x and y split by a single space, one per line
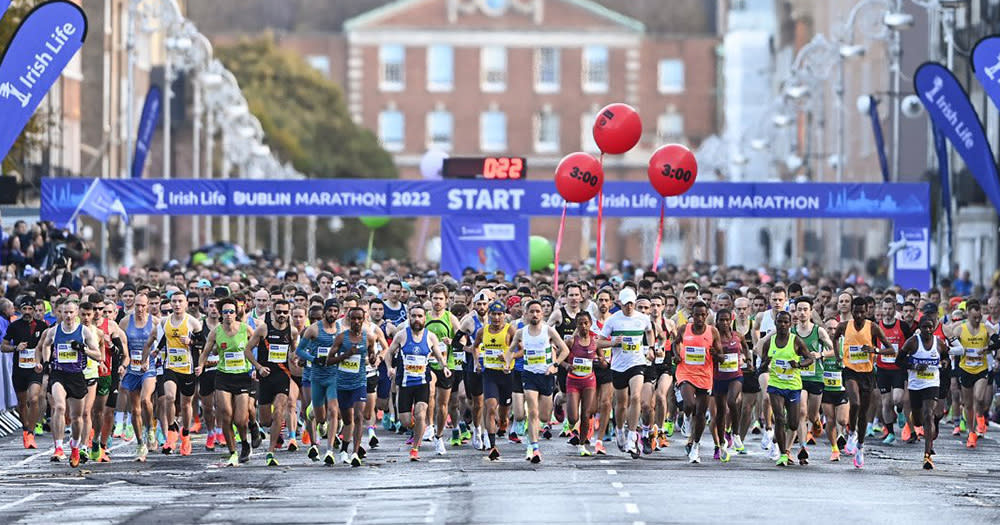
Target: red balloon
579 177
617 129
672 170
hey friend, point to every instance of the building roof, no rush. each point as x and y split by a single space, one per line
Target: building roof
664 17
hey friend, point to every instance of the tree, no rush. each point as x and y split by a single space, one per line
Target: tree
14 161
305 122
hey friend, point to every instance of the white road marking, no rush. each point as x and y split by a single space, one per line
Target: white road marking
631 508
617 485
624 494
612 472
25 499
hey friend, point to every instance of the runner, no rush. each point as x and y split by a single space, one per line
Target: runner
921 356
974 336
92 373
491 357
602 372
835 405
115 363
534 344
751 392
139 380
663 369
442 324
314 347
22 337
817 341
272 338
727 382
472 325
355 352
206 381
786 356
581 383
697 347
890 377
627 328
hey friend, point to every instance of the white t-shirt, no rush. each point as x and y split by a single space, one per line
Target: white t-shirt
632 329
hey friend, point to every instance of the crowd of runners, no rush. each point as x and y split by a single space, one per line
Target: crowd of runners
321 361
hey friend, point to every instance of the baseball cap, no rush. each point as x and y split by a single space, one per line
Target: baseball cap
512 300
330 302
930 308
627 295
204 283
481 296
497 306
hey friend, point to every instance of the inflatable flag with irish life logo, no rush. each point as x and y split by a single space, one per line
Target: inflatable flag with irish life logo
48 37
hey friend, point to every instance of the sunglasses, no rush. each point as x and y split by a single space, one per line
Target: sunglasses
282 312
228 311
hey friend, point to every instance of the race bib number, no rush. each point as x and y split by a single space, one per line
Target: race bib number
65 354
414 365
833 379
211 362
631 343
234 360
178 359
891 359
582 366
973 357
493 358
730 363
277 353
322 352
351 365
136 357
26 358
809 371
856 355
459 358
536 356
694 355
930 374
783 370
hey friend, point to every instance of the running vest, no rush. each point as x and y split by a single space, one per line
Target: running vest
413 363
729 367
696 364
137 338
973 360
212 361
179 358
931 377
351 373
272 351
442 328
582 357
766 322
783 376
26 357
322 344
90 370
537 350
108 349
814 372
568 324
895 336
833 377
493 346
230 347
64 357
855 358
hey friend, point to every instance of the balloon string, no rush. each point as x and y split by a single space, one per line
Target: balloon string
562 224
659 238
600 218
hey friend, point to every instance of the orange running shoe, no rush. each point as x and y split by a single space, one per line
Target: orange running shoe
31 441
599 448
981 424
74 457
414 454
834 455
971 443
185 445
220 439
196 426
907 433
920 432
104 458
171 443
57 455
957 431
664 442
306 440
24 437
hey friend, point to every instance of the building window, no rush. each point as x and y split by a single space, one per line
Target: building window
670 127
440 68
671 77
493 131
393 66
440 129
320 63
494 69
546 131
595 69
547 70
587 142
391 125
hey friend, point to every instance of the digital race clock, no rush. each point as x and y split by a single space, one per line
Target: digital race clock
490 168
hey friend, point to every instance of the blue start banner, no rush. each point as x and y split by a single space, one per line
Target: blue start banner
4 4
48 37
951 112
415 198
485 244
147 128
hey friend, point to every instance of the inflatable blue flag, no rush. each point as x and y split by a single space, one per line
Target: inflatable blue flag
147 128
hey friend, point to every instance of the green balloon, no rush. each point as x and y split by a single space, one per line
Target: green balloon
542 253
374 222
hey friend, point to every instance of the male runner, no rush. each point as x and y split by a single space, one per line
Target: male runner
627 328
492 343
355 352
785 357
923 360
817 341
442 324
973 370
663 368
314 347
22 337
206 381
471 325
890 377
140 378
696 348
273 338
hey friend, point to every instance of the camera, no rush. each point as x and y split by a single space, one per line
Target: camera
911 106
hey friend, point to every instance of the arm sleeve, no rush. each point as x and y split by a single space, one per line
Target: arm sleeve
305 349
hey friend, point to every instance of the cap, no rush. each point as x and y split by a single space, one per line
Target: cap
929 308
330 302
204 283
372 290
481 296
627 295
497 306
512 300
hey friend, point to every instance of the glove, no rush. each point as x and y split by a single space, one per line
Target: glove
77 345
955 348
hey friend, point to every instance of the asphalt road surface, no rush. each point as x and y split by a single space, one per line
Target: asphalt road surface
462 487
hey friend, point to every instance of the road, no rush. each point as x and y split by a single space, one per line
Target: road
463 488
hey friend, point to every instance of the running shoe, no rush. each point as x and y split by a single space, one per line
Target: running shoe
574 438
724 454
716 456
439 447
582 450
620 439
362 453
765 440
387 421
963 425
527 453
599 448
669 425
185 445
782 461
269 460
31 441
803 456
536 457
852 444
889 439
981 425
210 442
907 434
245 450
355 460
429 433
729 440
168 448
313 453
738 445
39 429
456 439
57 455
774 452
256 437
900 419
466 436
95 454
24 438
647 446
74 457
835 455
859 458
344 458
957 431
306 440
141 452
330 460
119 430
841 442
477 441
694 455
686 427
220 439
920 432
414 454
928 463
292 445
973 438
547 431
512 437
372 438
234 460
494 454
84 455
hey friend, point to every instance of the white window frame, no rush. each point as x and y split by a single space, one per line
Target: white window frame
437 86
486 55
552 144
431 143
587 142
665 120
484 144
542 85
384 83
662 85
392 146
590 85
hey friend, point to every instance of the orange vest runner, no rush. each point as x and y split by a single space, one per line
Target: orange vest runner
696 366
854 357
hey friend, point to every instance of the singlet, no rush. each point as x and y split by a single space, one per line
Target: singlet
814 372
442 328
109 349
412 370
230 347
518 361
895 336
766 322
212 361
395 315
749 368
729 367
351 373
537 349
477 325
493 346
631 329
32 334
178 358
371 329
833 376
855 358
90 370
931 377
783 376
696 366
321 346
64 358
137 338
582 357
568 324
973 360
272 351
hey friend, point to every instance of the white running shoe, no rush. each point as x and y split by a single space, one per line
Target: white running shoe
620 439
737 443
695 456
774 452
486 439
766 440
852 444
477 439
429 433
345 458
439 447
686 427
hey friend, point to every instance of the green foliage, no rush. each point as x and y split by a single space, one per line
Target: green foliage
36 126
306 122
